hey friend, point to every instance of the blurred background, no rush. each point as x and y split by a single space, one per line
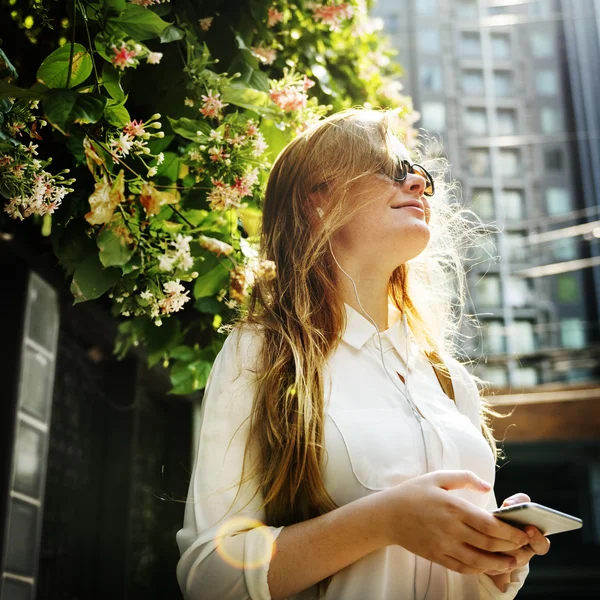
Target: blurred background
97 454
512 89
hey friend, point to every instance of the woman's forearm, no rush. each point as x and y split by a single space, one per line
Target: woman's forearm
307 552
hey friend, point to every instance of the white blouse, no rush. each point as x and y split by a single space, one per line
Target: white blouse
372 442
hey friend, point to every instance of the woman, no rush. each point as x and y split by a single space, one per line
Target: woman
363 484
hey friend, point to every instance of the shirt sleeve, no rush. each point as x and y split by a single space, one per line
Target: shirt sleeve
225 551
468 401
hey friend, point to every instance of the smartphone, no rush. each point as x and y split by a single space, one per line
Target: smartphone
547 520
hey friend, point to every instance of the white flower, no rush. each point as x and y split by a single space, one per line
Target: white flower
123 144
215 135
152 171
182 243
166 262
146 295
160 158
188 102
154 58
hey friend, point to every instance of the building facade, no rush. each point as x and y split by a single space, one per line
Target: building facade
510 88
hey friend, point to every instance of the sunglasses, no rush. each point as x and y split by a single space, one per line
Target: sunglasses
402 168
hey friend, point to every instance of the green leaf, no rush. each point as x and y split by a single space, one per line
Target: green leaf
213 276
116 7
259 81
188 128
171 34
189 377
116 114
137 22
169 167
54 71
208 305
161 340
8 90
91 279
111 81
250 99
65 107
115 243
185 353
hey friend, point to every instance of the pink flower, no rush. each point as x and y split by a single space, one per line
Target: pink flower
251 128
211 105
217 154
266 55
134 128
289 99
274 17
308 83
153 58
332 15
205 23
123 57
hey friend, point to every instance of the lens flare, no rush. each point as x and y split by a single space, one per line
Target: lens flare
232 551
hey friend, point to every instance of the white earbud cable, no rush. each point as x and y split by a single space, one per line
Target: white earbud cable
416 412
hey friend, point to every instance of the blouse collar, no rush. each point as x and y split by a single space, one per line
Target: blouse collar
359 330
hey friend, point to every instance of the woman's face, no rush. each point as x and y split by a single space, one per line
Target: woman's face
383 233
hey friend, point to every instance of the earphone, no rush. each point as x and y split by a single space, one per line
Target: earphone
408 397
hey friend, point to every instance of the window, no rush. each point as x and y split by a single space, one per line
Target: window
541 44
503 83
572 333
390 23
427 8
429 41
479 162
493 339
558 200
466 9
525 377
515 244
431 78
433 115
472 83
512 201
507 121
520 292
476 121
540 8
567 285
496 376
551 120
488 291
500 45
546 82
470 44
553 160
508 162
483 203
565 249
523 337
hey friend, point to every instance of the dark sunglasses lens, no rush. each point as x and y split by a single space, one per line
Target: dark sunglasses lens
429 182
400 171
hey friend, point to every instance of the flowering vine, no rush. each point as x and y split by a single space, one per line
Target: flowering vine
172 202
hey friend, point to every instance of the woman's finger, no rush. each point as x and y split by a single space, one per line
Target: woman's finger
539 543
485 542
516 499
480 559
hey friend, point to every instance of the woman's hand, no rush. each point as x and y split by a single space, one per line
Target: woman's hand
425 518
538 544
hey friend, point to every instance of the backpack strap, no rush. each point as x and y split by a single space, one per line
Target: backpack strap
443 377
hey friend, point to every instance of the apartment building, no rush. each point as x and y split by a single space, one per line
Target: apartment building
511 89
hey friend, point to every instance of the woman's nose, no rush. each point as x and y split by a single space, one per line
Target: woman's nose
415 183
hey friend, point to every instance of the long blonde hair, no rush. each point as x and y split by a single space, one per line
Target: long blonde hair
301 315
